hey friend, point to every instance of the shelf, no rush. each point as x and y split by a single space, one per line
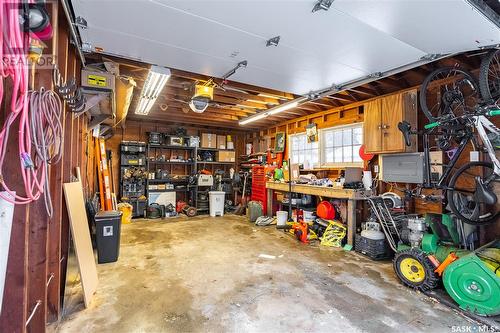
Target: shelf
203 162
168 180
215 149
171 162
132 165
171 147
171 190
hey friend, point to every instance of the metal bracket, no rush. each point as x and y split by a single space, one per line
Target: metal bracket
322 5
431 56
86 47
375 75
243 63
273 41
81 22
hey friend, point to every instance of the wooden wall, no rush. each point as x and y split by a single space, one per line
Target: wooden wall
38 252
138 131
353 113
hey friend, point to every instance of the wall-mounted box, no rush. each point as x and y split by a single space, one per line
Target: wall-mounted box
402 168
94 79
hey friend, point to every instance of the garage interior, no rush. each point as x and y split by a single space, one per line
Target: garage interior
250 166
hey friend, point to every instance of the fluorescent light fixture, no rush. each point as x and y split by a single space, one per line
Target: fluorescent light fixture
156 80
280 108
258 116
284 107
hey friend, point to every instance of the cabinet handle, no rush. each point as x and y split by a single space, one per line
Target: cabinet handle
379 126
384 126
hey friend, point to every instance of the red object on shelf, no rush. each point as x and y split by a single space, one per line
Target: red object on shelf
325 210
259 192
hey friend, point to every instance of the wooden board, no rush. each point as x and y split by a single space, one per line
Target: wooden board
81 237
328 192
6 214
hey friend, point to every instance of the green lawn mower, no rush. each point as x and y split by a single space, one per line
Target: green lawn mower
431 250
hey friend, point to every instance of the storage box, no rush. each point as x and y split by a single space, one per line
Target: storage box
230 145
194 141
208 140
221 142
226 156
94 79
176 141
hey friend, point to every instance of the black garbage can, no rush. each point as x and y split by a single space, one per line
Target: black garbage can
108 235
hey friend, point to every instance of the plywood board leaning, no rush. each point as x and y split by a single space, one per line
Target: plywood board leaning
73 194
6 214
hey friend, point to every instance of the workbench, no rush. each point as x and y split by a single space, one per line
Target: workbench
352 197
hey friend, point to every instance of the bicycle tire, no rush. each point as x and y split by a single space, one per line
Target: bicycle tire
484 81
423 89
451 202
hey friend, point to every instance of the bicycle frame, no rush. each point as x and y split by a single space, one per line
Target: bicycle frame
482 124
427 161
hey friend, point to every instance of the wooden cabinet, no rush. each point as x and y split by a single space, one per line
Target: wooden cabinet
381 133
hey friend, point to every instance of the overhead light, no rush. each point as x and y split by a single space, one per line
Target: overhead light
322 5
258 116
156 80
275 110
284 107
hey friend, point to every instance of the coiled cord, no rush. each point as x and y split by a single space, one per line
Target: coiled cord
37 114
46 134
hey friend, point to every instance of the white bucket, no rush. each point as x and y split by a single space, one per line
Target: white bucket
281 217
216 201
308 216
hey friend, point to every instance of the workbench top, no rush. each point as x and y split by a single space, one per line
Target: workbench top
328 192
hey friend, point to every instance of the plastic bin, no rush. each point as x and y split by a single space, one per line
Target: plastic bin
108 235
281 217
216 202
126 210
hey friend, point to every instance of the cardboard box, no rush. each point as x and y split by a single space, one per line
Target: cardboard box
226 156
221 142
94 79
208 140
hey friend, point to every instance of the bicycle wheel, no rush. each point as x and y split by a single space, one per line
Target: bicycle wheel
471 193
448 92
489 77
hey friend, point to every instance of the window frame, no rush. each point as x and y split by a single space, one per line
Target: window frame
290 138
322 147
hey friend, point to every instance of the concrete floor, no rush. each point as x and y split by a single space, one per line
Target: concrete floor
205 275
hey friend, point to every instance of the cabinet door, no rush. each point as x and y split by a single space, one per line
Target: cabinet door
371 127
392 114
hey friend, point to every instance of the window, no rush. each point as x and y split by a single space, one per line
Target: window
303 152
340 145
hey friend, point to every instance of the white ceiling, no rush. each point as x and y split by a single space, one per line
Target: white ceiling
351 40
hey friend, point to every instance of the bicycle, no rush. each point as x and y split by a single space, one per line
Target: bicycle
459 112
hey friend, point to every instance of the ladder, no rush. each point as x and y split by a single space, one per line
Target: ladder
385 219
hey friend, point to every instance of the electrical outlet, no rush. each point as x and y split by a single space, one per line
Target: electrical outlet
375 168
474 156
436 158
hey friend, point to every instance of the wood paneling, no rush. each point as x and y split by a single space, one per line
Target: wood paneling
392 114
38 248
371 126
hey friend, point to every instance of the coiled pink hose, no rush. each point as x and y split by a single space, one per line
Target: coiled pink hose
43 131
